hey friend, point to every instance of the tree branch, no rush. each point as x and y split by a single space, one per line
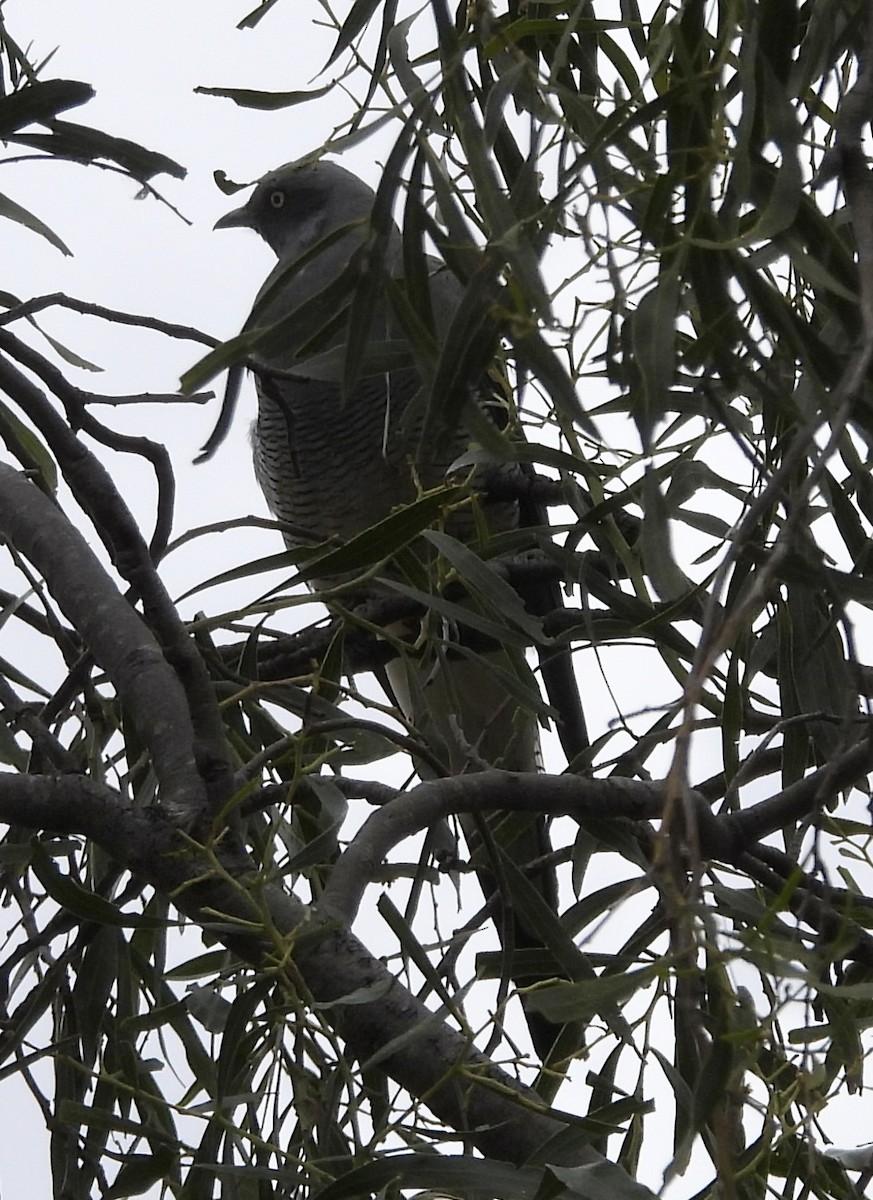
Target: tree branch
854 942
272 929
68 804
59 300
95 491
799 800
75 403
116 635
481 792
48 748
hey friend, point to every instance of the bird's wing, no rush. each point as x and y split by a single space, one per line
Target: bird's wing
540 598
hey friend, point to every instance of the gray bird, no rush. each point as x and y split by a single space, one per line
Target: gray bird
332 464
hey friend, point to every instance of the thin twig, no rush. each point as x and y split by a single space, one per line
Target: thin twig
185 333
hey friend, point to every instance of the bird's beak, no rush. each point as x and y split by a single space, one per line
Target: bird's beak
237 218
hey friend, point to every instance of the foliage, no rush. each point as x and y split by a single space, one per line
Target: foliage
690 361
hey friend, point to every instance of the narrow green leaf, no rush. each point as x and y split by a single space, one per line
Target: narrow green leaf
14 212
601 1181
653 339
30 451
40 100
383 539
80 901
95 980
81 143
463 1175
482 579
581 1001
656 546
367 320
76 1115
265 101
460 614
209 964
355 23
140 1171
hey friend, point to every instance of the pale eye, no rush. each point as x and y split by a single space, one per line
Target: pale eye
277 199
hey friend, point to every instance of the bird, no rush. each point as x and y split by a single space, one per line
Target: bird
334 460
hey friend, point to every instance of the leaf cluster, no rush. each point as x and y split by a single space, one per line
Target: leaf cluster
663 227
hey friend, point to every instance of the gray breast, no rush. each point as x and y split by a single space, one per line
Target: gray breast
331 466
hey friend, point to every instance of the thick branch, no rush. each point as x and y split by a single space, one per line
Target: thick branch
798 801
482 792
95 491
430 1060
69 804
117 637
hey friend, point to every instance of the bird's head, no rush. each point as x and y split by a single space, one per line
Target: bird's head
297 205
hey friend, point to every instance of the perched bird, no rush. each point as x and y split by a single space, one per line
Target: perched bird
332 463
